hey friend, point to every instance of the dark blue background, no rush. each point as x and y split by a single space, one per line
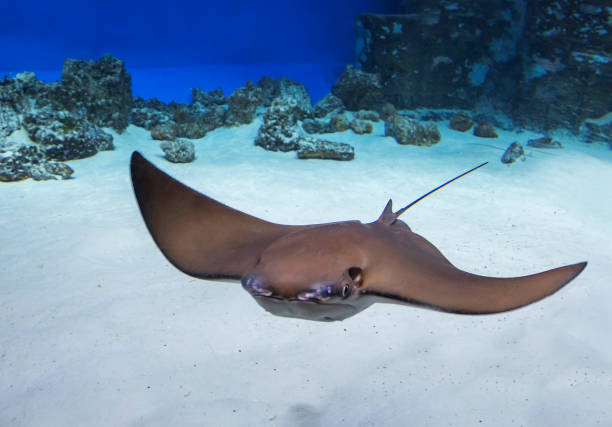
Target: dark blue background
190 35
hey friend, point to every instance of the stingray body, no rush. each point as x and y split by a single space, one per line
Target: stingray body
323 271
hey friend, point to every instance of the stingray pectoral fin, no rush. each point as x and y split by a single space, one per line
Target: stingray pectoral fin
452 290
198 235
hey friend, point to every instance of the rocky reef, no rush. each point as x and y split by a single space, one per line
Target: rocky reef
480 65
407 131
20 161
179 151
281 130
64 120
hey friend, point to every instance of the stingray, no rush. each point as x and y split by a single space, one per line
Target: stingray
325 271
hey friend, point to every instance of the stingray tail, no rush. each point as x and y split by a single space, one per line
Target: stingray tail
388 216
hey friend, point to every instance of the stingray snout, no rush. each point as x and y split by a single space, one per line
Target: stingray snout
254 286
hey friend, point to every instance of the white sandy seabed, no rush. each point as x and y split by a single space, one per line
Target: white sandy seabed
98 329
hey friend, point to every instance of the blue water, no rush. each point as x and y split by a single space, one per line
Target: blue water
169 47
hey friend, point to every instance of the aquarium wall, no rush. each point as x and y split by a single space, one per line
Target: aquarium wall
544 65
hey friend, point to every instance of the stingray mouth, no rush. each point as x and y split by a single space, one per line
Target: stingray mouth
309 310
311 304
289 300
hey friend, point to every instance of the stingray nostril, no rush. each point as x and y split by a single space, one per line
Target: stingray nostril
249 282
254 286
246 281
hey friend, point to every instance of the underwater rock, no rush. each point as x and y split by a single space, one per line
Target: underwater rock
279 129
103 89
485 130
292 89
179 151
188 120
65 136
22 93
330 103
27 78
386 110
164 131
150 113
311 148
461 122
512 153
361 127
192 130
194 121
339 123
19 161
597 130
10 120
208 99
370 115
270 88
50 170
544 142
316 126
410 132
358 89
242 105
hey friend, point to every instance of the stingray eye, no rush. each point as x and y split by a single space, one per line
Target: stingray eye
345 290
356 275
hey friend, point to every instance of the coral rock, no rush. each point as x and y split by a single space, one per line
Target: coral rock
485 130
387 110
179 151
20 161
315 126
339 123
194 121
270 88
330 103
150 113
279 131
242 105
599 130
461 122
410 132
164 131
292 89
102 88
10 120
311 148
544 142
358 90
370 115
208 99
361 127
65 136
512 153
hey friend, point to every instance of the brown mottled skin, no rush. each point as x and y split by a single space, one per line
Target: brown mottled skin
323 271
